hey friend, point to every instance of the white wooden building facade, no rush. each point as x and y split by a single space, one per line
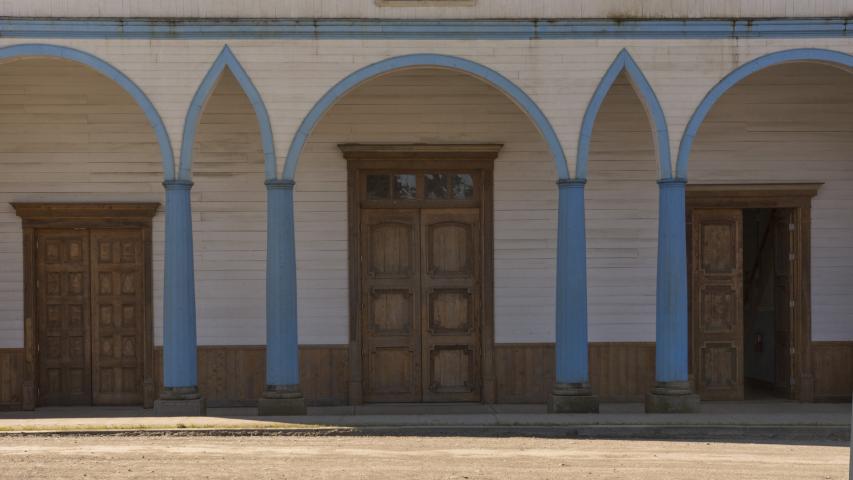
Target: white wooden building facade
103 102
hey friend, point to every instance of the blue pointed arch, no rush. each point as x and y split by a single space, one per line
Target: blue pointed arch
226 59
829 57
114 74
511 90
624 62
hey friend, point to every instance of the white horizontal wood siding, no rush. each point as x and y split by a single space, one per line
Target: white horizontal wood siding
619 9
794 123
229 220
68 134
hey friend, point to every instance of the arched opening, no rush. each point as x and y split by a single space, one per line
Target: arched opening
433 108
780 130
229 236
74 131
621 223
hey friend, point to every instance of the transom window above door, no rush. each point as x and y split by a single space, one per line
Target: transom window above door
424 185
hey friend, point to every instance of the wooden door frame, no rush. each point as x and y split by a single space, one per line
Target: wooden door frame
478 157
35 216
798 198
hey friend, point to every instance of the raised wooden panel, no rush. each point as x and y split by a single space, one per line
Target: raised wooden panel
452 369
392 372
719 247
716 307
390 249
392 312
449 248
451 311
64 323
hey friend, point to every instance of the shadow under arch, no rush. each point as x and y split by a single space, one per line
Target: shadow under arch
624 62
503 84
225 59
56 51
829 57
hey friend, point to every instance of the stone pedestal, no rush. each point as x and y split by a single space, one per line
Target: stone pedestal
572 398
672 397
180 402
281 400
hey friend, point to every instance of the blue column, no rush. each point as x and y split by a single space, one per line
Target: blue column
671 326
571 393
179 330
671 393
571 348
282 395
282 339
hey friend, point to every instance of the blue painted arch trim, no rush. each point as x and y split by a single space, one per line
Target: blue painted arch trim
830 57
114 74
515 93
226 59
624 62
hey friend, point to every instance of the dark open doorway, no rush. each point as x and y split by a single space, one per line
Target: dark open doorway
767 305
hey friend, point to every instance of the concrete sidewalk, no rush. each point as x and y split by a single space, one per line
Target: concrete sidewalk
733 417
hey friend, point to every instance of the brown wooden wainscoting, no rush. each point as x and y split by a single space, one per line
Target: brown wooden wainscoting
833 371
619 371
234 375
11 378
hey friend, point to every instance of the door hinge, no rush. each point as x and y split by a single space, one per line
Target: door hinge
791 227
38 284
792 304
791 256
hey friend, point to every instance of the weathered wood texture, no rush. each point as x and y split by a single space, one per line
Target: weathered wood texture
619 371
235 375
833 370
11 377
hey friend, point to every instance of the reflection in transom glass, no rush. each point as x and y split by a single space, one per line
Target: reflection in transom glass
378 187
462 186
405 187
435 186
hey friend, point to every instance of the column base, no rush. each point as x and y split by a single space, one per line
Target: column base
180 402
281 400
572 398
672 397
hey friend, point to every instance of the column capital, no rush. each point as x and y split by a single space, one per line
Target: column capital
672 182
177 184
571 182
275 183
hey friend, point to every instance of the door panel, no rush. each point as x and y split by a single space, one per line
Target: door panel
783 300
390 291
717 302
62 285
118 309
450 286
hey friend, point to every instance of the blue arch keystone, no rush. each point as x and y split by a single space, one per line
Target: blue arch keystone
515 93
776 58
225 59
624 62
114 74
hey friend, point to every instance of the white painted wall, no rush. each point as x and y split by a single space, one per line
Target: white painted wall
430 8
794 123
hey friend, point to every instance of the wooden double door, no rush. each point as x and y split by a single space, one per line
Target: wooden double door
90 315
419 236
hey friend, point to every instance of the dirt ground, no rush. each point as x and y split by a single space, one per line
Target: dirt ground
82 457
